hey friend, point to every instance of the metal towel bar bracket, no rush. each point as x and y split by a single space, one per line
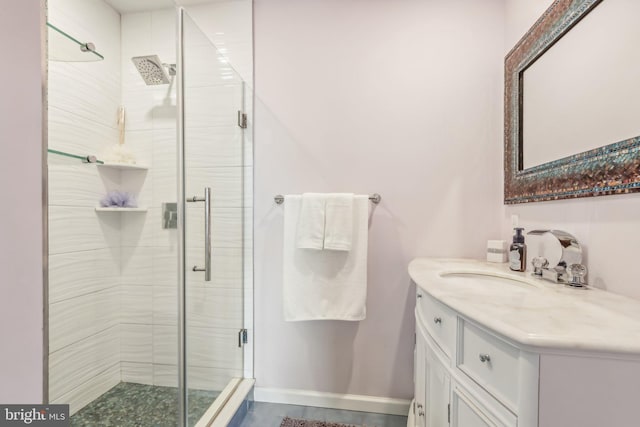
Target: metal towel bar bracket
375 198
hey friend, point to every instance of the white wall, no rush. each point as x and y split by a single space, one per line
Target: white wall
149 253
84 246
21 118
608 227
399 98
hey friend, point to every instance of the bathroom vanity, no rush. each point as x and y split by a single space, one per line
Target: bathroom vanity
502 348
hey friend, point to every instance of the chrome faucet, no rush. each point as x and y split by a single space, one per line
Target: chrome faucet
569 270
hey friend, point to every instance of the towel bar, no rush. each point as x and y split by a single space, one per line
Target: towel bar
375 198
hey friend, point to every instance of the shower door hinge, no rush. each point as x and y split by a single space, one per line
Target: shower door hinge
243 337
242 119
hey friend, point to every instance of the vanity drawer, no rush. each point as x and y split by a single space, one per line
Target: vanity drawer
490 362
440 321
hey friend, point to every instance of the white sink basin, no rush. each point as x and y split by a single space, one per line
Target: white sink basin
487 277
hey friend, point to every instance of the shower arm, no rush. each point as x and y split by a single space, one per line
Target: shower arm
171 68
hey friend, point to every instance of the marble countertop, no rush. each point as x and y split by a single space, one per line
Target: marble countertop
531 311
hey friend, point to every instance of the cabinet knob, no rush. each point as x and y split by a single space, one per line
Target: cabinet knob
485 358
421 413
420 406
419 296
437 320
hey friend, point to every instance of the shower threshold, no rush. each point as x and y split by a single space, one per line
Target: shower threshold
141 405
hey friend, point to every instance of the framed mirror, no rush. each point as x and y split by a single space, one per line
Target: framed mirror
572 103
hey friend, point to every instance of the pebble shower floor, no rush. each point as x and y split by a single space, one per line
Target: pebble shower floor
141 405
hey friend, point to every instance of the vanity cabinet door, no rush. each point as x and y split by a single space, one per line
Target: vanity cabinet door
437 388
467 412
419 380
432 383
467 415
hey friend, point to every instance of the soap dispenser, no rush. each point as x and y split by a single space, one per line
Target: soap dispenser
518 251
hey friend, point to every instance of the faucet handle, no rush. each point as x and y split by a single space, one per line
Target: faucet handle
539 263
577 273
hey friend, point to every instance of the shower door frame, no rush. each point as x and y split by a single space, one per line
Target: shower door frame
44 54
235 389
181 197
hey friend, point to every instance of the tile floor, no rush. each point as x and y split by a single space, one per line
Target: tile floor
271 415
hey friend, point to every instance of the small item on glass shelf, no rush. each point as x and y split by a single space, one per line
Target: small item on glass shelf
118 199
118 153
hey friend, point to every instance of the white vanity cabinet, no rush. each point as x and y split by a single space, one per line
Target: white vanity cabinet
502 349
475 382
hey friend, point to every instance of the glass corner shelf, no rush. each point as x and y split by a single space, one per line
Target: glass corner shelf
65 48
84 158
114 209
123 166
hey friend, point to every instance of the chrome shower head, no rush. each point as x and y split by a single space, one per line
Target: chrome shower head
152 69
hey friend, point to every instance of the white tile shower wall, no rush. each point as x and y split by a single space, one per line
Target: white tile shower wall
228 24
399 98
75 371
214 157
101 382
608 227
84 263
80 317
146 247
144 104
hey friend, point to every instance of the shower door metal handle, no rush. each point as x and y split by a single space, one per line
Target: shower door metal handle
207 232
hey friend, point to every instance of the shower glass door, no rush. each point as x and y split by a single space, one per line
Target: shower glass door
212 172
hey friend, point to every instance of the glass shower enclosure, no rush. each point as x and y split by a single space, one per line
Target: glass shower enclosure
212 186
145 301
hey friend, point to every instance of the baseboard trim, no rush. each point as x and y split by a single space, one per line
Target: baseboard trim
351 402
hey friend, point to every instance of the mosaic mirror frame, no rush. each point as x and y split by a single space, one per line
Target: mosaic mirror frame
613 168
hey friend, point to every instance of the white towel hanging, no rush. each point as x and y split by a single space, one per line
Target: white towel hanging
327 284
338 223
310 227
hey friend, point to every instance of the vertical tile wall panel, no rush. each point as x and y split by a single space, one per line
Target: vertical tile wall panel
75 365
80 228
133 372
137 304
84 281
80 273
136 342
75 319
89 390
